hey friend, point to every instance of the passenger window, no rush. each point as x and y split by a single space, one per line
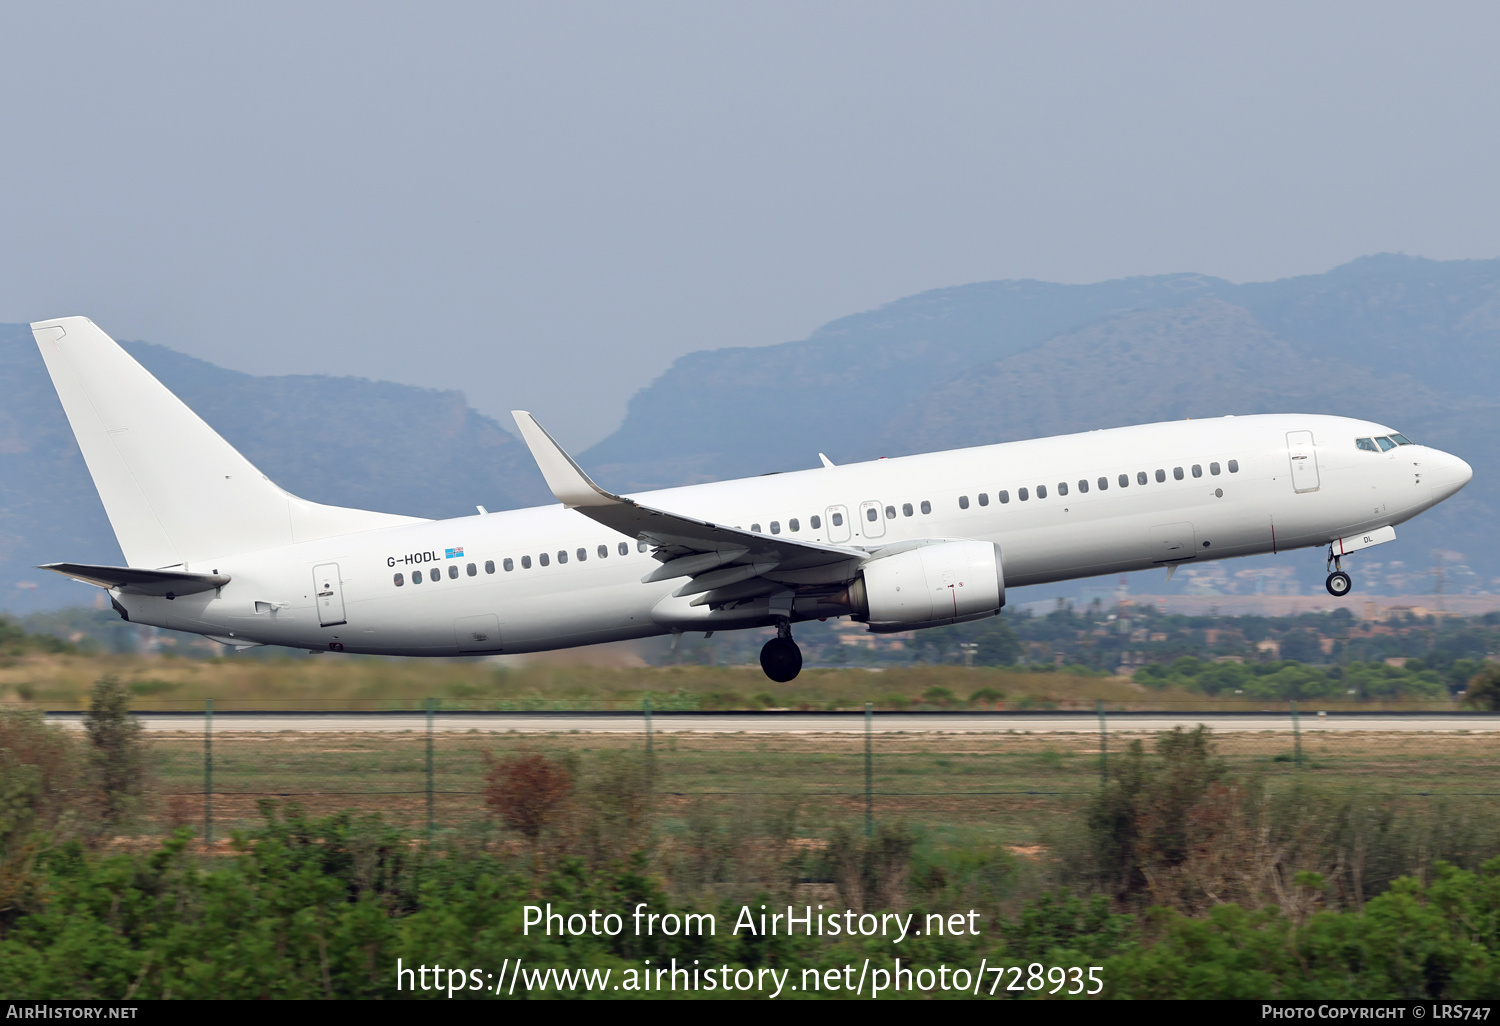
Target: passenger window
641 546
963 502
582 554
1083 485
1041 491
1062 488
1213 468
816 522
1124 480
1003 496
603 551
984 499
1161 476
1103 484
623 548
1234 466
838 519
776 526
890 512
1022 494
416 577
562 556
1176 473
1367 444
794 525
755 528
452 571
1386 445
525 562
400 580
1197 470
508 563
1401 440
1140 477
906 509
872 514
926 507
473 570
543 560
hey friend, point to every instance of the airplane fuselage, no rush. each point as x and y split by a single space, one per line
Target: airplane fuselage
1059 508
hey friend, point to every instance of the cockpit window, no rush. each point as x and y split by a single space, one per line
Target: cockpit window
1386 445
1401 440
1367 444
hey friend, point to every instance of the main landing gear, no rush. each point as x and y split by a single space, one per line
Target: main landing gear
780 657
1338 583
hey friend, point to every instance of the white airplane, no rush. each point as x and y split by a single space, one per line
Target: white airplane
213 547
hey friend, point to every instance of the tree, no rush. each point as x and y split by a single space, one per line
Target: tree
1484 688
997 644
525 791
116 753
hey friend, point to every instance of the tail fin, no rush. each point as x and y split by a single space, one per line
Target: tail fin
175 492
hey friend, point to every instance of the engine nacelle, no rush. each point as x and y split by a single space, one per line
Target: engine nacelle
943 583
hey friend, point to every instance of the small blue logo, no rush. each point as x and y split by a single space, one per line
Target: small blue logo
454 553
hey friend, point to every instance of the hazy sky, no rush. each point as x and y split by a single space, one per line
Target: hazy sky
544 204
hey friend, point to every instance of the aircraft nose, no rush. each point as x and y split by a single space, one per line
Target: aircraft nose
1449 475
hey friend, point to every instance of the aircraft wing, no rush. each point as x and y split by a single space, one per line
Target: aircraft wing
724 563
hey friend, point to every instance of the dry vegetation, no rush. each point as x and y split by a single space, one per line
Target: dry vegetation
62 681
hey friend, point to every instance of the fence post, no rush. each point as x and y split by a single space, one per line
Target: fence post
869 772
1296 737
1103 746
650 752
429 769
208 774
646 708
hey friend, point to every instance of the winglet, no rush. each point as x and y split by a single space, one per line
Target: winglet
566 478
828 464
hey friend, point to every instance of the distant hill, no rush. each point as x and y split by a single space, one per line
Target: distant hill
1401 339
1412 342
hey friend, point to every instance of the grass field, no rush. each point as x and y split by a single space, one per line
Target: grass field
62 681
1014 788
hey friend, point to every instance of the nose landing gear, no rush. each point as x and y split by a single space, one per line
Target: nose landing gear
1339 583
780 657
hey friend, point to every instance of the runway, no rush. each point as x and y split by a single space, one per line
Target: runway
799 722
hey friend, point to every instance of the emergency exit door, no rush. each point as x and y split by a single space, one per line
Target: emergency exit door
328 593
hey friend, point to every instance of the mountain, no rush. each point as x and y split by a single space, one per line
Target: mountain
1411 342
1403 340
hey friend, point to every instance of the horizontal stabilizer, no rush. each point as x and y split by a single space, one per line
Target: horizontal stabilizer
137 581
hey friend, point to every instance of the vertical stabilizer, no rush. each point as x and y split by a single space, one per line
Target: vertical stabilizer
176 493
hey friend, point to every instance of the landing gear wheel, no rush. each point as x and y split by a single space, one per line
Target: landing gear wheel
1338 584
781 659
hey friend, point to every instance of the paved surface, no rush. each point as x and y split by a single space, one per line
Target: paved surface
801 723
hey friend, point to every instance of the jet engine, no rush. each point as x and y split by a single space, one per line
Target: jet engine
937 584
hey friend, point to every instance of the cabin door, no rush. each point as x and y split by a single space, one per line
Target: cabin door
328 591
871 520
1304 457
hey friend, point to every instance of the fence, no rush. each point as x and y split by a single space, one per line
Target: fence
1007 774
